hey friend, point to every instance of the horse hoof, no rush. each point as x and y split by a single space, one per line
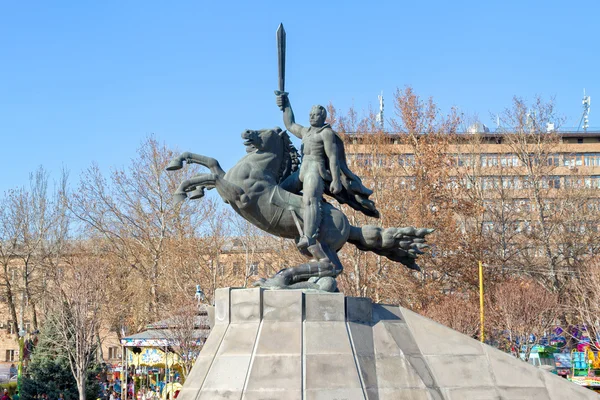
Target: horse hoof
174 165
197 194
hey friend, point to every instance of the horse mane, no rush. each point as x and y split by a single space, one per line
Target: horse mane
291 157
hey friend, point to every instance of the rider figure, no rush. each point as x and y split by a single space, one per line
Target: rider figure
320 165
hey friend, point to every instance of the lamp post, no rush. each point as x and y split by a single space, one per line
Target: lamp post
21 357
200 297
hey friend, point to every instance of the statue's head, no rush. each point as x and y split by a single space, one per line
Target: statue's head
317 116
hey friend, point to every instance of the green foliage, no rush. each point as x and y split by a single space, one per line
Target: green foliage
49 372
11 386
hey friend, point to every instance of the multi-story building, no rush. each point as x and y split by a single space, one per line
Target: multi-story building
512 177
572 159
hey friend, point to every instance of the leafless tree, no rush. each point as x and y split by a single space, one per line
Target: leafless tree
525 311
77 301
456 311
134 216
183 326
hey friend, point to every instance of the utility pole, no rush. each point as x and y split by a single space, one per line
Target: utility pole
481 319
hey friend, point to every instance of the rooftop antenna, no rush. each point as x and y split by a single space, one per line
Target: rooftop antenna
379 117
587 101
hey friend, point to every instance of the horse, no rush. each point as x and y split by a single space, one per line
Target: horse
262 187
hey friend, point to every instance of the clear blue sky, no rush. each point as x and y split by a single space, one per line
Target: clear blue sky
85 81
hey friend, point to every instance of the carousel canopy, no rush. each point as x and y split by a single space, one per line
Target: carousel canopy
161 338
165 333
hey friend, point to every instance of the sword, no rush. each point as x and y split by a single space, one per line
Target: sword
281 60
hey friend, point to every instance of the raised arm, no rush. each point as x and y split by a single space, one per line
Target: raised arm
283 102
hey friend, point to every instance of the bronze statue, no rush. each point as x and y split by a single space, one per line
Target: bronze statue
270 188
255 189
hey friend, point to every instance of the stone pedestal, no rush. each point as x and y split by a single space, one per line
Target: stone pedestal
290 345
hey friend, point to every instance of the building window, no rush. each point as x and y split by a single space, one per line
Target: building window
253 269
407 182
363 160
509 160
488 226
113 353
268 269
489 160
551 182
381 160
10 355
236 268
553 160
591 159
406 160
490 182
573 160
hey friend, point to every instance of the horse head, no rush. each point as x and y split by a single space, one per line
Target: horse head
277 143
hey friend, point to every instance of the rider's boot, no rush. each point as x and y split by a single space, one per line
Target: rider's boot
312 220
304 243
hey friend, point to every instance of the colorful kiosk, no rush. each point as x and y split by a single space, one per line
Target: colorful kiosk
152 359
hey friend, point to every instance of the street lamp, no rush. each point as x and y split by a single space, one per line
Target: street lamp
200 297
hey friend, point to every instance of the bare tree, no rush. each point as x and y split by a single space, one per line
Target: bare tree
414 183
525 311
9 245
184 328
456 311
134 216
77 302
585 299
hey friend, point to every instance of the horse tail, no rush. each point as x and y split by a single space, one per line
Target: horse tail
398 244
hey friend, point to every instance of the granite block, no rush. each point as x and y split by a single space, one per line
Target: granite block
460 371
482 393
246 305
222 309
275 372
282 305
326 338
324 307
324 371
359 309
280 338
397 372
334 394
427 335
239 340
272 395
511 371
227 374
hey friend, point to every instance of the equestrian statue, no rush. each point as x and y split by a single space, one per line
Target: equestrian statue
282 193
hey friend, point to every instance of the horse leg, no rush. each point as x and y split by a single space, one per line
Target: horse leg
228 191
195 185
191 158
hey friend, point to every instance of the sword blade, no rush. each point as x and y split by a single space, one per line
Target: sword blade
281 56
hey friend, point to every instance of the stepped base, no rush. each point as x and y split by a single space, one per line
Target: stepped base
286 344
